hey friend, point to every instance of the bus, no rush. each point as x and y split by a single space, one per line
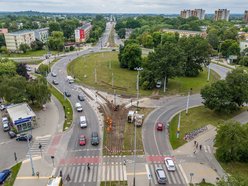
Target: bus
55 181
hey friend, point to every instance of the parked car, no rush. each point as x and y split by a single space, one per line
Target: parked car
80 97
2 107
5 123
158 84
4 175
160 126
94 138
55 82
12 134
28 68
24 137
169 163
160 174
82 140
53 74
67 94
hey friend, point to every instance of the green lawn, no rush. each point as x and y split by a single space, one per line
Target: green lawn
124 81
29 54
66 104
236 169
197 117
14 171
113 183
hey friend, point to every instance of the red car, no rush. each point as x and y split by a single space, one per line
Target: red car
160 126
82 140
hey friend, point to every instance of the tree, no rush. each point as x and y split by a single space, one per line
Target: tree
196 50
24 47
230 47
230 139
122 33
244 61
218 97
230 33
56 41
156 38
37 45
237 80
2 40
7 68
165 63
147 40
233 181
54 26
213 38
22 70
68 27
43 69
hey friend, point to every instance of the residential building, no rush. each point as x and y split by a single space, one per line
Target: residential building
186 33
200 13
3 30
246 16
14 39
41 34
22 117
82 33
185 14
243 45
222 14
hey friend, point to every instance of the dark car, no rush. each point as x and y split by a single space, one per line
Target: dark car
67 94
160 126
94 138
53 74
81 97
55 82
4 175
12 134
24 137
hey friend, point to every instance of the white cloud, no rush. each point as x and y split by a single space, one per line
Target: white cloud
121 6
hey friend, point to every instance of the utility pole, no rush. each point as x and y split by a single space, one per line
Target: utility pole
30 157
208 72
137 83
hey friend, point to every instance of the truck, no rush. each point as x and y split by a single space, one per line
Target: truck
130 116
139 119
70 79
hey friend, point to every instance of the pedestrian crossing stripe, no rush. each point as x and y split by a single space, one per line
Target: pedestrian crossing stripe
34 149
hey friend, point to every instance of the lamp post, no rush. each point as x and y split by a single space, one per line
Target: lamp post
187 104
137 82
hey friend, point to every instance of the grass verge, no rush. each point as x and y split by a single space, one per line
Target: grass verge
14 171
111 40
101 70
30 53
113 183
66 105
236 169
197 117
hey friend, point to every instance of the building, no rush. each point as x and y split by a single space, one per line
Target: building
246 16
3 30
200 13
185 14
186 33
22 117
243 45
41 34
14 39
82 33
222 14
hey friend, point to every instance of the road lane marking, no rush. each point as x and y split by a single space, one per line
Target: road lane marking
183 173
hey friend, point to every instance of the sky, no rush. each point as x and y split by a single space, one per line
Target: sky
122 6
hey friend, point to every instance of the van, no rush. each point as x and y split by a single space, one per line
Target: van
82 122
70 79
78 107
160 174
5 122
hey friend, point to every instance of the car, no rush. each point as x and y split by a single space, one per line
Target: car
158 84
4 175
67 94
55 82
12 134
80 97
160 126
24 137
79 107
94 138
53 74
113 49
169 163
160 174
82 140
2 107
28 68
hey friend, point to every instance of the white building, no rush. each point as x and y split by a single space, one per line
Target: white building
22 117
243 45
14 39
41 34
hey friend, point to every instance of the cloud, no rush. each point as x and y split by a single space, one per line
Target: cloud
120 6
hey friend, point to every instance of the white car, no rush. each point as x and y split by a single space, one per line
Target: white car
28 68
169 163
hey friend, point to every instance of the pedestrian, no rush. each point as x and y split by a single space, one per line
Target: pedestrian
88 165
60 173
194 151
124 162
196 145
38 174
68 178
200 147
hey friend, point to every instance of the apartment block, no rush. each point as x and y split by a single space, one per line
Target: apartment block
246 16
222 14
82 33
41 34
14 39
185 14
200 13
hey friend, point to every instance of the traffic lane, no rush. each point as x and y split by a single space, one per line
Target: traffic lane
222 71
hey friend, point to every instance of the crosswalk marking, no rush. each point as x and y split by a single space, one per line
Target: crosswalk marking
81 173
76 174
44 141
95 173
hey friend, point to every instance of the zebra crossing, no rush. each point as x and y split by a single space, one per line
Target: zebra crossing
207 149
175 178
34 147
113 172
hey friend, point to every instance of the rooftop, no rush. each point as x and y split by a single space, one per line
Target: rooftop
20 111
179 31
21 32
85 26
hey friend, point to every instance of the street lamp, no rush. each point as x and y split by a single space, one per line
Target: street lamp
137 82
187 105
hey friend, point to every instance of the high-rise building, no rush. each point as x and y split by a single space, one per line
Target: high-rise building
200 13
82 33
246 16
222 14
185 14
